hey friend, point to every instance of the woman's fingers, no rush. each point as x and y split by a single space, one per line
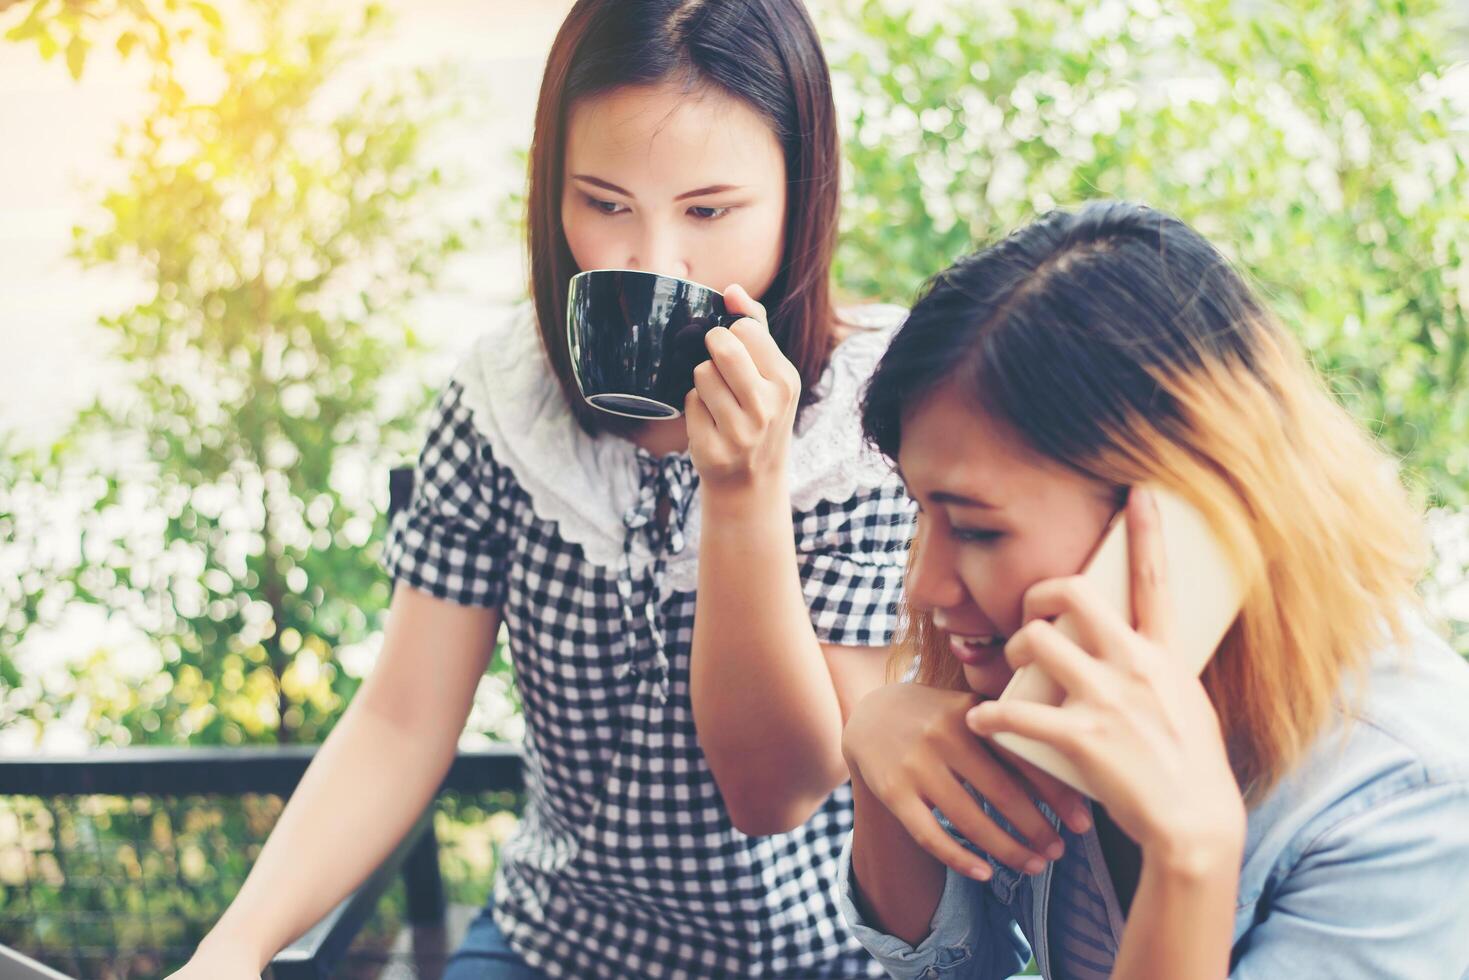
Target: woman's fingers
1056 727
720 402
754 332
771 361
921 824
697 412
1067 803
997 785
947 794
1149 564
755 422
747 355
736 366
1101 629
738 301
1039 642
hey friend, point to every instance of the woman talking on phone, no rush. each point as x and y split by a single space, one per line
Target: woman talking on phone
1299 810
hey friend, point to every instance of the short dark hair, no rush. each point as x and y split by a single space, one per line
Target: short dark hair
1061 329
765 53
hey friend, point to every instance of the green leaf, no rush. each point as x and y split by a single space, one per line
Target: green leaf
76 56
25 30
209 14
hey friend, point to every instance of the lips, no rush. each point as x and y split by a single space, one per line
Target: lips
976 650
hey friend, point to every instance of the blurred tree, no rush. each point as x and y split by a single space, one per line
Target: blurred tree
28 576
153 29
1318 144
281 224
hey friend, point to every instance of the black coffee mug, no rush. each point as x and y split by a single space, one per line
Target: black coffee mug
636 337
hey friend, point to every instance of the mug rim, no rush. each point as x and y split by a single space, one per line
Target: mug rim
673 411
656 275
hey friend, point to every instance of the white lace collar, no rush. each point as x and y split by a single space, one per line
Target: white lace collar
587 484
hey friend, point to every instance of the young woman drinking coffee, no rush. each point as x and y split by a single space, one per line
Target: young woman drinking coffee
692 605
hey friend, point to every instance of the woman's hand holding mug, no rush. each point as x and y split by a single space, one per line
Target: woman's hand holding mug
743 405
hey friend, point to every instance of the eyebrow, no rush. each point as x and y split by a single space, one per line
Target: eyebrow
959 500
947 497
698 192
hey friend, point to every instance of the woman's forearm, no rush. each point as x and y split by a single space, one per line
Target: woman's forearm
1181 923
764 702
897 884
368 783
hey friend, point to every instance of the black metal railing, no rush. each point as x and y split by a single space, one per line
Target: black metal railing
105 856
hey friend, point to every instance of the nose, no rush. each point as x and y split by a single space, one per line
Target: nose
932 582
657 249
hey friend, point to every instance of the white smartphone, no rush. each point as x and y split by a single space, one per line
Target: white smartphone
1203 586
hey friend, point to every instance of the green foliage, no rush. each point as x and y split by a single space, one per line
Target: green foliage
29 577
233 490
74 28
115 887
1315 143
109 886
280 239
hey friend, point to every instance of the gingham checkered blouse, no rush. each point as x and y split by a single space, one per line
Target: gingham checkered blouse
626 863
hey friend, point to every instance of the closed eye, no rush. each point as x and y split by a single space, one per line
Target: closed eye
974 535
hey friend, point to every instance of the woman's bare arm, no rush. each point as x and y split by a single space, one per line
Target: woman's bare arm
896 883
371 779
769 700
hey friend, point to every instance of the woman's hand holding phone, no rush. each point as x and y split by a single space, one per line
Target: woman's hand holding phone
908 746
1134 720
743 405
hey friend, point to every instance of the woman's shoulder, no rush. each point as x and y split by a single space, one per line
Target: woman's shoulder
506 355
1402 731
1405 712
831 461
518 410
1413 705
1365 847
862 333
867 318
505 385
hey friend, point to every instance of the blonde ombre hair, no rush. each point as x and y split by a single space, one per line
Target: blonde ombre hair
1118 342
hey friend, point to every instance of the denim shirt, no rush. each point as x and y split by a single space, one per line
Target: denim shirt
1356 866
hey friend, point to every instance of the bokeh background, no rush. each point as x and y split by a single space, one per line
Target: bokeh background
242 243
